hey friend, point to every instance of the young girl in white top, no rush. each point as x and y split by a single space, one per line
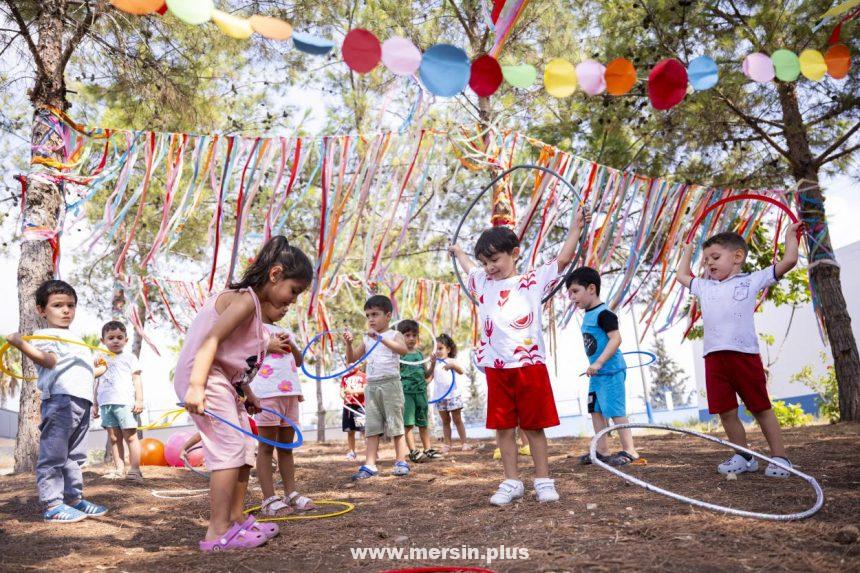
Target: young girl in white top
451 406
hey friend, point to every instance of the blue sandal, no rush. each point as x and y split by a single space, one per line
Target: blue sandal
364 472
90 509
63 514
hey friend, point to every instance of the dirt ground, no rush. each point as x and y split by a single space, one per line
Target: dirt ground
600 524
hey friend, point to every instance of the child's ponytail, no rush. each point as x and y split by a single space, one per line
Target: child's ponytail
277 251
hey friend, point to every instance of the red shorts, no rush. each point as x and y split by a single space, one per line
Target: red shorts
520 397
729 374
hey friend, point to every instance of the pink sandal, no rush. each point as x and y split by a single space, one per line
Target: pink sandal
236 537
270 530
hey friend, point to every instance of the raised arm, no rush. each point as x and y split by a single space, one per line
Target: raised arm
568 249
789 258
684 275
41 357
352 353
396 344
462 258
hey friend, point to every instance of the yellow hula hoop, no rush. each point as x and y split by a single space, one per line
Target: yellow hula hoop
169 417
345 504
5 348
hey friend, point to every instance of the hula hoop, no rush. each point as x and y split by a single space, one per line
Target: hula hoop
178 493
819 501
478 197
432 332
190 467
300 439
345 504
651 355
5 348
450 388
347 370
741 197
171 414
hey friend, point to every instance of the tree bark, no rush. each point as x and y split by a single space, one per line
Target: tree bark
320 407
824 273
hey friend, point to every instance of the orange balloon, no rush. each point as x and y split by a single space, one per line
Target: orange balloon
620 76
838 60
271 28
152 452
138 7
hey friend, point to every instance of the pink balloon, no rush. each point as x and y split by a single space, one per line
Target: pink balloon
173 446
195 457
759 67
590 76
401 56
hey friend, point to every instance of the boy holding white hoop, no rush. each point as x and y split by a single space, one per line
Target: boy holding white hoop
728 299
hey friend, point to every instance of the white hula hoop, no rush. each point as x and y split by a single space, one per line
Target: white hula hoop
178 493
429 329
819 494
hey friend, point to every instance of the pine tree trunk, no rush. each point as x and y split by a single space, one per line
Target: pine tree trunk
320 407
824 274
42 206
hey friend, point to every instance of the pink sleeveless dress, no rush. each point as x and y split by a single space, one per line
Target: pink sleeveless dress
237 357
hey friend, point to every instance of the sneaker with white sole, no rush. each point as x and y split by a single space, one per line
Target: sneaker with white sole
737 464
401 468
775 471
508 491
545 490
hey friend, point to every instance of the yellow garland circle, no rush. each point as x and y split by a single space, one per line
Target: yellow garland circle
348 507
5 348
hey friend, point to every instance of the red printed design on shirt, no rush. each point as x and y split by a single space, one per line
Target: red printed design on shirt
488 328
523 322
503 297
527 281
498 363
528 356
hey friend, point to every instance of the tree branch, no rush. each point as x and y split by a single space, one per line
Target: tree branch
463 22
752 122
80 30
822 159
841 154
22 25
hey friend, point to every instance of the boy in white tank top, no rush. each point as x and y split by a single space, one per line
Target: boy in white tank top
384 392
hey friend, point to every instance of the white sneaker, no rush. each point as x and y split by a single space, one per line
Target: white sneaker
508 491
545 490
776 471
350 456
737 464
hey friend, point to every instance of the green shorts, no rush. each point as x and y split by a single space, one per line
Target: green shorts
383 407
415 410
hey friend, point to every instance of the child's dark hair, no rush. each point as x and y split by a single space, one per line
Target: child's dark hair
729 240
584 276
407 325
496 240
277 251
53 286
449 343
113 325
380 302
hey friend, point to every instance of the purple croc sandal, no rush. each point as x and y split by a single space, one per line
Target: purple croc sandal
236 537
268 529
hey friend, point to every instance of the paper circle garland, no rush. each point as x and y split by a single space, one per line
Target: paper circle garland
786 65
138 7
191 11
485 76
703 73
559 78
838 60
400 56
758 67
520 76
620 76
231 25
445 70
310 44
361 50
271 28
812 65
667 84
590 76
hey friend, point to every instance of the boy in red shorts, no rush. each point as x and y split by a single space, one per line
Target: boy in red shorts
733 365
512 350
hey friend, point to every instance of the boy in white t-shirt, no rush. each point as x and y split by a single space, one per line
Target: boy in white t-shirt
118 397
733 365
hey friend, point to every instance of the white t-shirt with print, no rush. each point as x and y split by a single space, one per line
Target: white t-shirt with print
383 361
73 373
442 381
116 385
728 307
278 375
510 313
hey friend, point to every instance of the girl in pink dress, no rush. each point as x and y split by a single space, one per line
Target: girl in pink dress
223 349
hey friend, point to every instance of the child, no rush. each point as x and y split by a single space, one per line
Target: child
384 393
118 397
278 388
524 450
512 350
606 392
732 362
415 406
65 380
223 348
451 406
352 392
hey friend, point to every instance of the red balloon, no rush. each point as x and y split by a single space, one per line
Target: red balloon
486 76
152 452
361 50
667 84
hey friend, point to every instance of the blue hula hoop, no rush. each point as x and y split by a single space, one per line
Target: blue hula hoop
651 355
300 439
450 388
346 370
